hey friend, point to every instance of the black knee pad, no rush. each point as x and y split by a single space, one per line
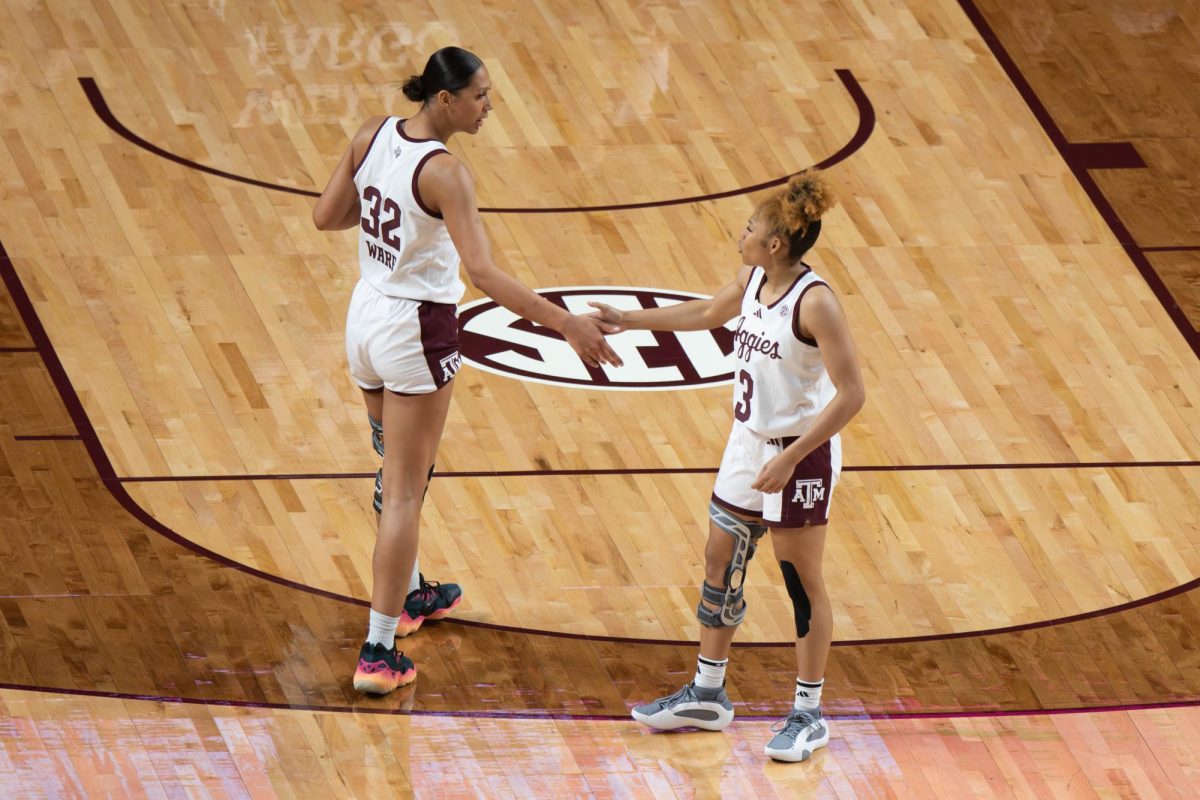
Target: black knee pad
800 605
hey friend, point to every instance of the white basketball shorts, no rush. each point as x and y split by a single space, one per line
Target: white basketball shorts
408 346
804 500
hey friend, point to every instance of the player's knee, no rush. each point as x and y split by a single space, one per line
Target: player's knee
722 603
715 567
799 594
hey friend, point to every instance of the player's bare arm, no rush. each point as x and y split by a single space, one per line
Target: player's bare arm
450 189
337 208
694 315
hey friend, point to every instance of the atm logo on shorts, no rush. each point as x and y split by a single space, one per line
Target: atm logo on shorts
809 492
450 365
496 340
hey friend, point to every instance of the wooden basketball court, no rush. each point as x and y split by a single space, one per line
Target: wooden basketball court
187 472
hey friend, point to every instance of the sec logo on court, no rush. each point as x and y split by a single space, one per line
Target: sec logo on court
496 340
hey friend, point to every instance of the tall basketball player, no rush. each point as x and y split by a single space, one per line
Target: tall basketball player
797 385
414 204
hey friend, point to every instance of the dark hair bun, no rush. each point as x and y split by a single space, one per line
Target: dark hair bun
450 68
805 200
414 88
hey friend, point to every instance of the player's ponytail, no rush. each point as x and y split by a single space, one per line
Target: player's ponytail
450 68
794 213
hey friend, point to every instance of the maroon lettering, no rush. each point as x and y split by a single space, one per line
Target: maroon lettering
748 343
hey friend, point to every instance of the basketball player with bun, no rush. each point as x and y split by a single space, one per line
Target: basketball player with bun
797 385
414 205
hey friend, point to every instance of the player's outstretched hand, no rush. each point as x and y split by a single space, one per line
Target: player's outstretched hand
615 317
586 335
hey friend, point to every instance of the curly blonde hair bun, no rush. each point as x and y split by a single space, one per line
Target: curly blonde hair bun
804 200
794 212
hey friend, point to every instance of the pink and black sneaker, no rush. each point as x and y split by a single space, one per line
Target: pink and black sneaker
380 669
430 601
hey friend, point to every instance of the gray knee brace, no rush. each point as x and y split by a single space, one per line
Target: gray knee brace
376 434
801 608
731 608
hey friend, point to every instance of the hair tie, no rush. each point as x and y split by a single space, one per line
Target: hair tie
810 236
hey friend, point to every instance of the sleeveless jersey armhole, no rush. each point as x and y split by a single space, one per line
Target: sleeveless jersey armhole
808 340
416 190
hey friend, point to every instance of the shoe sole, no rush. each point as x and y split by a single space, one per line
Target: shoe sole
674 723
375 684
791 758
408 629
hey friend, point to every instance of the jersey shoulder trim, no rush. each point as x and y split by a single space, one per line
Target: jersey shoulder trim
750 290
371 144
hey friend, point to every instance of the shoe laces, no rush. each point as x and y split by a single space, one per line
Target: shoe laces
427 589
795 722
687 693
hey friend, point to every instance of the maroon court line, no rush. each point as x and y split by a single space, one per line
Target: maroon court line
567 716
550 473
1079 167
67 437
1191 248
91 440
18 349
866 125
113 483
105 470
108 476
1039 112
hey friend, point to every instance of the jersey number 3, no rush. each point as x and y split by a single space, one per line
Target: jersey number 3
384 230
741 411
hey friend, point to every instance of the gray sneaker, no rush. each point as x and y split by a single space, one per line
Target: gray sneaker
798 736
685 709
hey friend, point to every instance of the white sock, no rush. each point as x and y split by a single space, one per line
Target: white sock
382 630
414 582
710 673
808 695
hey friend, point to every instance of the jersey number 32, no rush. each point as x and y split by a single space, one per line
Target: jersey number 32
372 225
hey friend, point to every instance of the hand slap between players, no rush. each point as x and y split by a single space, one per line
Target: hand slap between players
586 335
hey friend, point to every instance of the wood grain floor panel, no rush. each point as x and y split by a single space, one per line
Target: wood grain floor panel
949 247
1000 319
913 553
53 746
113 606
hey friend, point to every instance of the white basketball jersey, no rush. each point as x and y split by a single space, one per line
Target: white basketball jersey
404 249
781 384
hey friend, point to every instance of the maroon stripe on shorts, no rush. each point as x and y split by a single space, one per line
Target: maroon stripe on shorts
806 496
439 340
745 512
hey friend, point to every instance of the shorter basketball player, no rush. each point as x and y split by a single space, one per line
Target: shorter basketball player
797 385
